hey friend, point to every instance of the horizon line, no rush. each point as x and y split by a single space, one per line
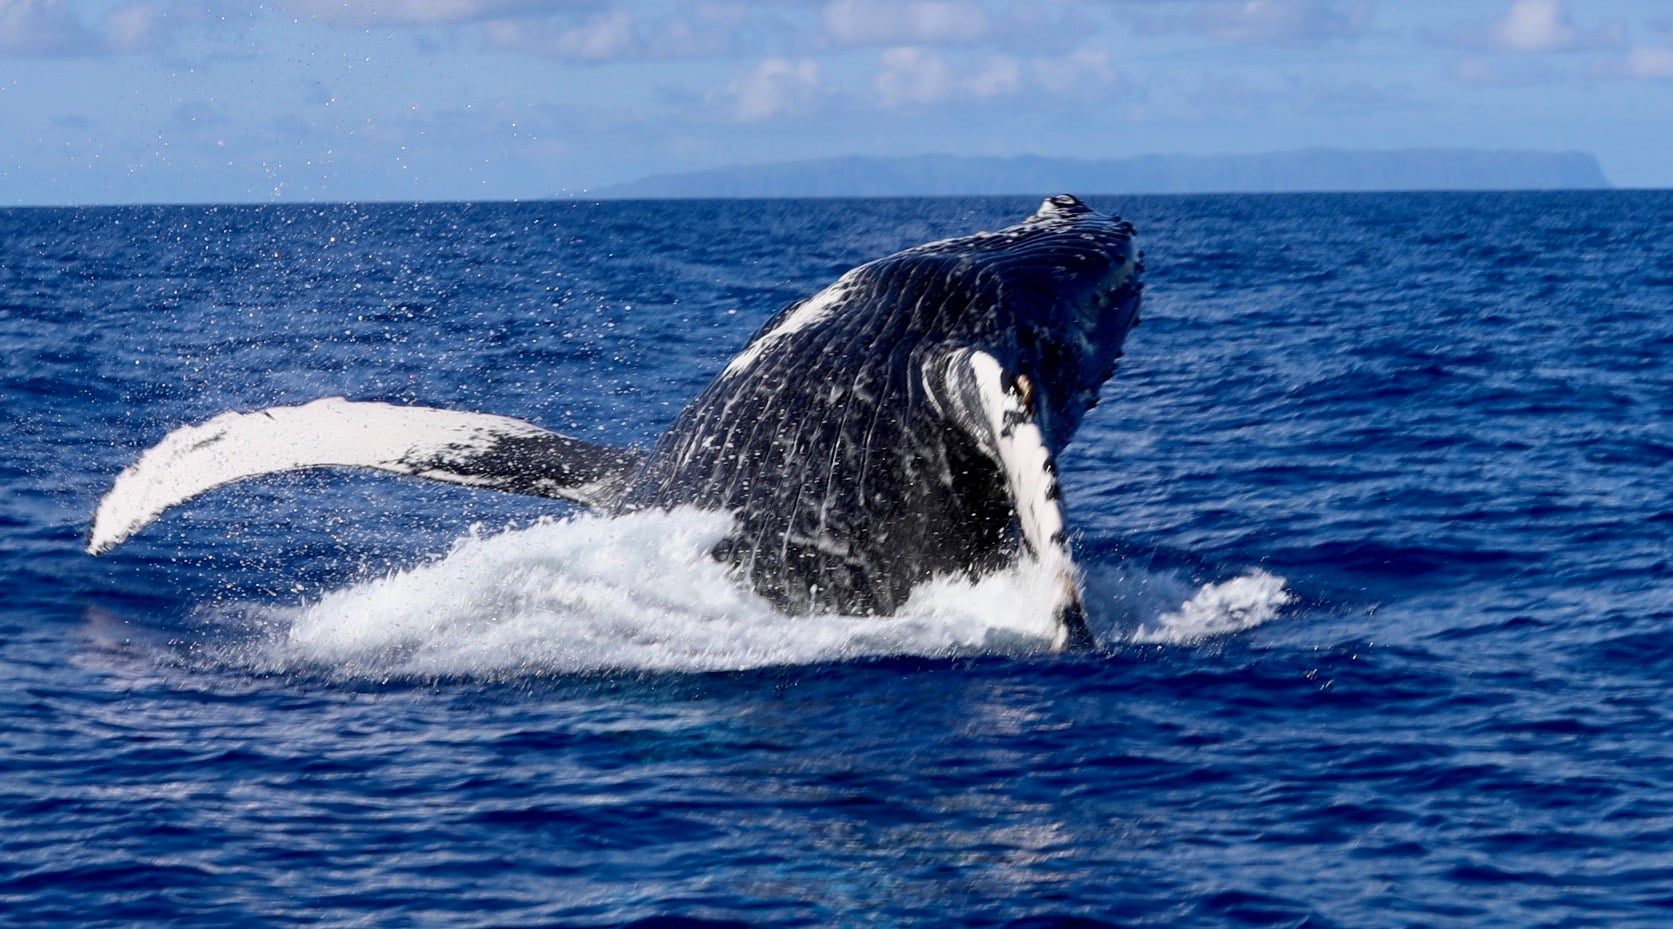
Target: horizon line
602 198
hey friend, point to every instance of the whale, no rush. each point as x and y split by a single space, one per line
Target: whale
901 424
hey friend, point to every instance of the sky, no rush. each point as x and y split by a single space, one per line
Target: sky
193 101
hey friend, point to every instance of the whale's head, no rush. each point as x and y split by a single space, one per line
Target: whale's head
1050 299
1067 287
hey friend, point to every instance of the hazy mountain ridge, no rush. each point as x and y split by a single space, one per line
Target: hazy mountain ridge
1272 172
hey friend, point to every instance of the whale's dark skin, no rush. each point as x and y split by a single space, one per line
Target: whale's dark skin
902 423
848 484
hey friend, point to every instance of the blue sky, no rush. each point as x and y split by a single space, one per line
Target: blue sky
210 100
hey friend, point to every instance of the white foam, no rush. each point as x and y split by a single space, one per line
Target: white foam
641 593
1243 602
638 592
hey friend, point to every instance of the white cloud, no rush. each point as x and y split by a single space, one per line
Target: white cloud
133 28
606 36
916 22
999 76
703 30
612 30
1532 26
1084 69
775 87
1650 63
910 75
413 12
41 27
52 28
1528 27
913 76
1267 22
1535 26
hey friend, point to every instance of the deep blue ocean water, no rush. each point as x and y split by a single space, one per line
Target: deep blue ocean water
1376 520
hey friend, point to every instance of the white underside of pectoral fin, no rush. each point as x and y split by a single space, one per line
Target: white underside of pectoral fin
980 396
446 445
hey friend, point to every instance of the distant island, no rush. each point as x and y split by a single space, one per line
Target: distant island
1314 169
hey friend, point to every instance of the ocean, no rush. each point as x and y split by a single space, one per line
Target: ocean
1376 524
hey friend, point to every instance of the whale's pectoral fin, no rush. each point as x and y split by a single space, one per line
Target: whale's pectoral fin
475 449
997 409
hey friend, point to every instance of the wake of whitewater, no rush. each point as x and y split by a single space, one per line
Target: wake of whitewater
640 592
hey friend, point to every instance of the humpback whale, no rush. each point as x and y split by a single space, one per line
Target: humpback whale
902 423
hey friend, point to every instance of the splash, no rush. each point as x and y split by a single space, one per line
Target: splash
1243 602
637 592
641 593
